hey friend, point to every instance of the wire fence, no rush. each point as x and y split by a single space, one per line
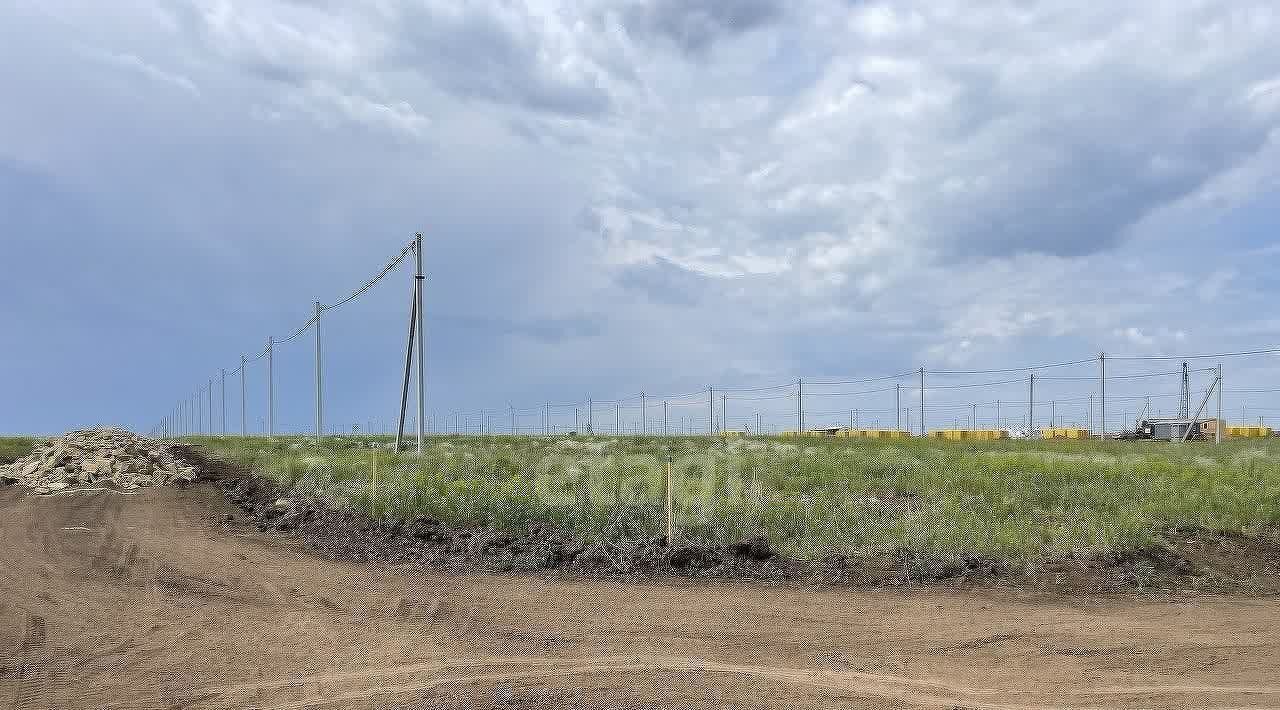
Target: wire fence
1101 395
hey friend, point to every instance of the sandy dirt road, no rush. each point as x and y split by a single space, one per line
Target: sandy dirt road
149 601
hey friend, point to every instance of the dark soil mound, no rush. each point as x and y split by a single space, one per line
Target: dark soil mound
1185 560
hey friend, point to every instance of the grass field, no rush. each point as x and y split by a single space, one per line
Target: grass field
812 497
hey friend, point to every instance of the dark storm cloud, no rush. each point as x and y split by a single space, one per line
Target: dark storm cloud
695 25
475 53
1082 179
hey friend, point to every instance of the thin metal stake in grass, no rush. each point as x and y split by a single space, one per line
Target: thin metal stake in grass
373 495
670 509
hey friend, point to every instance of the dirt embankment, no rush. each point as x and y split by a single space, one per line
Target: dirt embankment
1185 561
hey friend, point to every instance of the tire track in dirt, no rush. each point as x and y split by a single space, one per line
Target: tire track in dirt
404 684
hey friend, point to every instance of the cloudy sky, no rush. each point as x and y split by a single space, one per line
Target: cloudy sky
645 195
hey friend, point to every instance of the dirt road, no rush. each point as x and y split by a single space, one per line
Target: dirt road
150 601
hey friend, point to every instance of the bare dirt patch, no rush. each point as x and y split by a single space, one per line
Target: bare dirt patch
152 600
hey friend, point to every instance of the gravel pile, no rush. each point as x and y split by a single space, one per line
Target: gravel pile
97 457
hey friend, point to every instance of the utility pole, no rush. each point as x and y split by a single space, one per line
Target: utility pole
411 335
998 425
897 402
975 415
711 411
244 426
222 372
591 416
422 337
1053 413
209 422
319 395
513 420
800 405
1184 404
644 416
1217 437
757 423
922 400
724 411
1031 408
271 388
666 430
1102 378
617 418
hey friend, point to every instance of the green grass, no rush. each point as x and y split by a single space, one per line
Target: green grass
13 448
811 497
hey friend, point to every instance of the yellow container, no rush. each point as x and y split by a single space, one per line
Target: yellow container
1248 432
873 434
1064 433
969 434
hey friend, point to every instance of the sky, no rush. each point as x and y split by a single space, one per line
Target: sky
634 196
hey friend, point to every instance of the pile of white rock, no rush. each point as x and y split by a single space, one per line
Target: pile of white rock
95 457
